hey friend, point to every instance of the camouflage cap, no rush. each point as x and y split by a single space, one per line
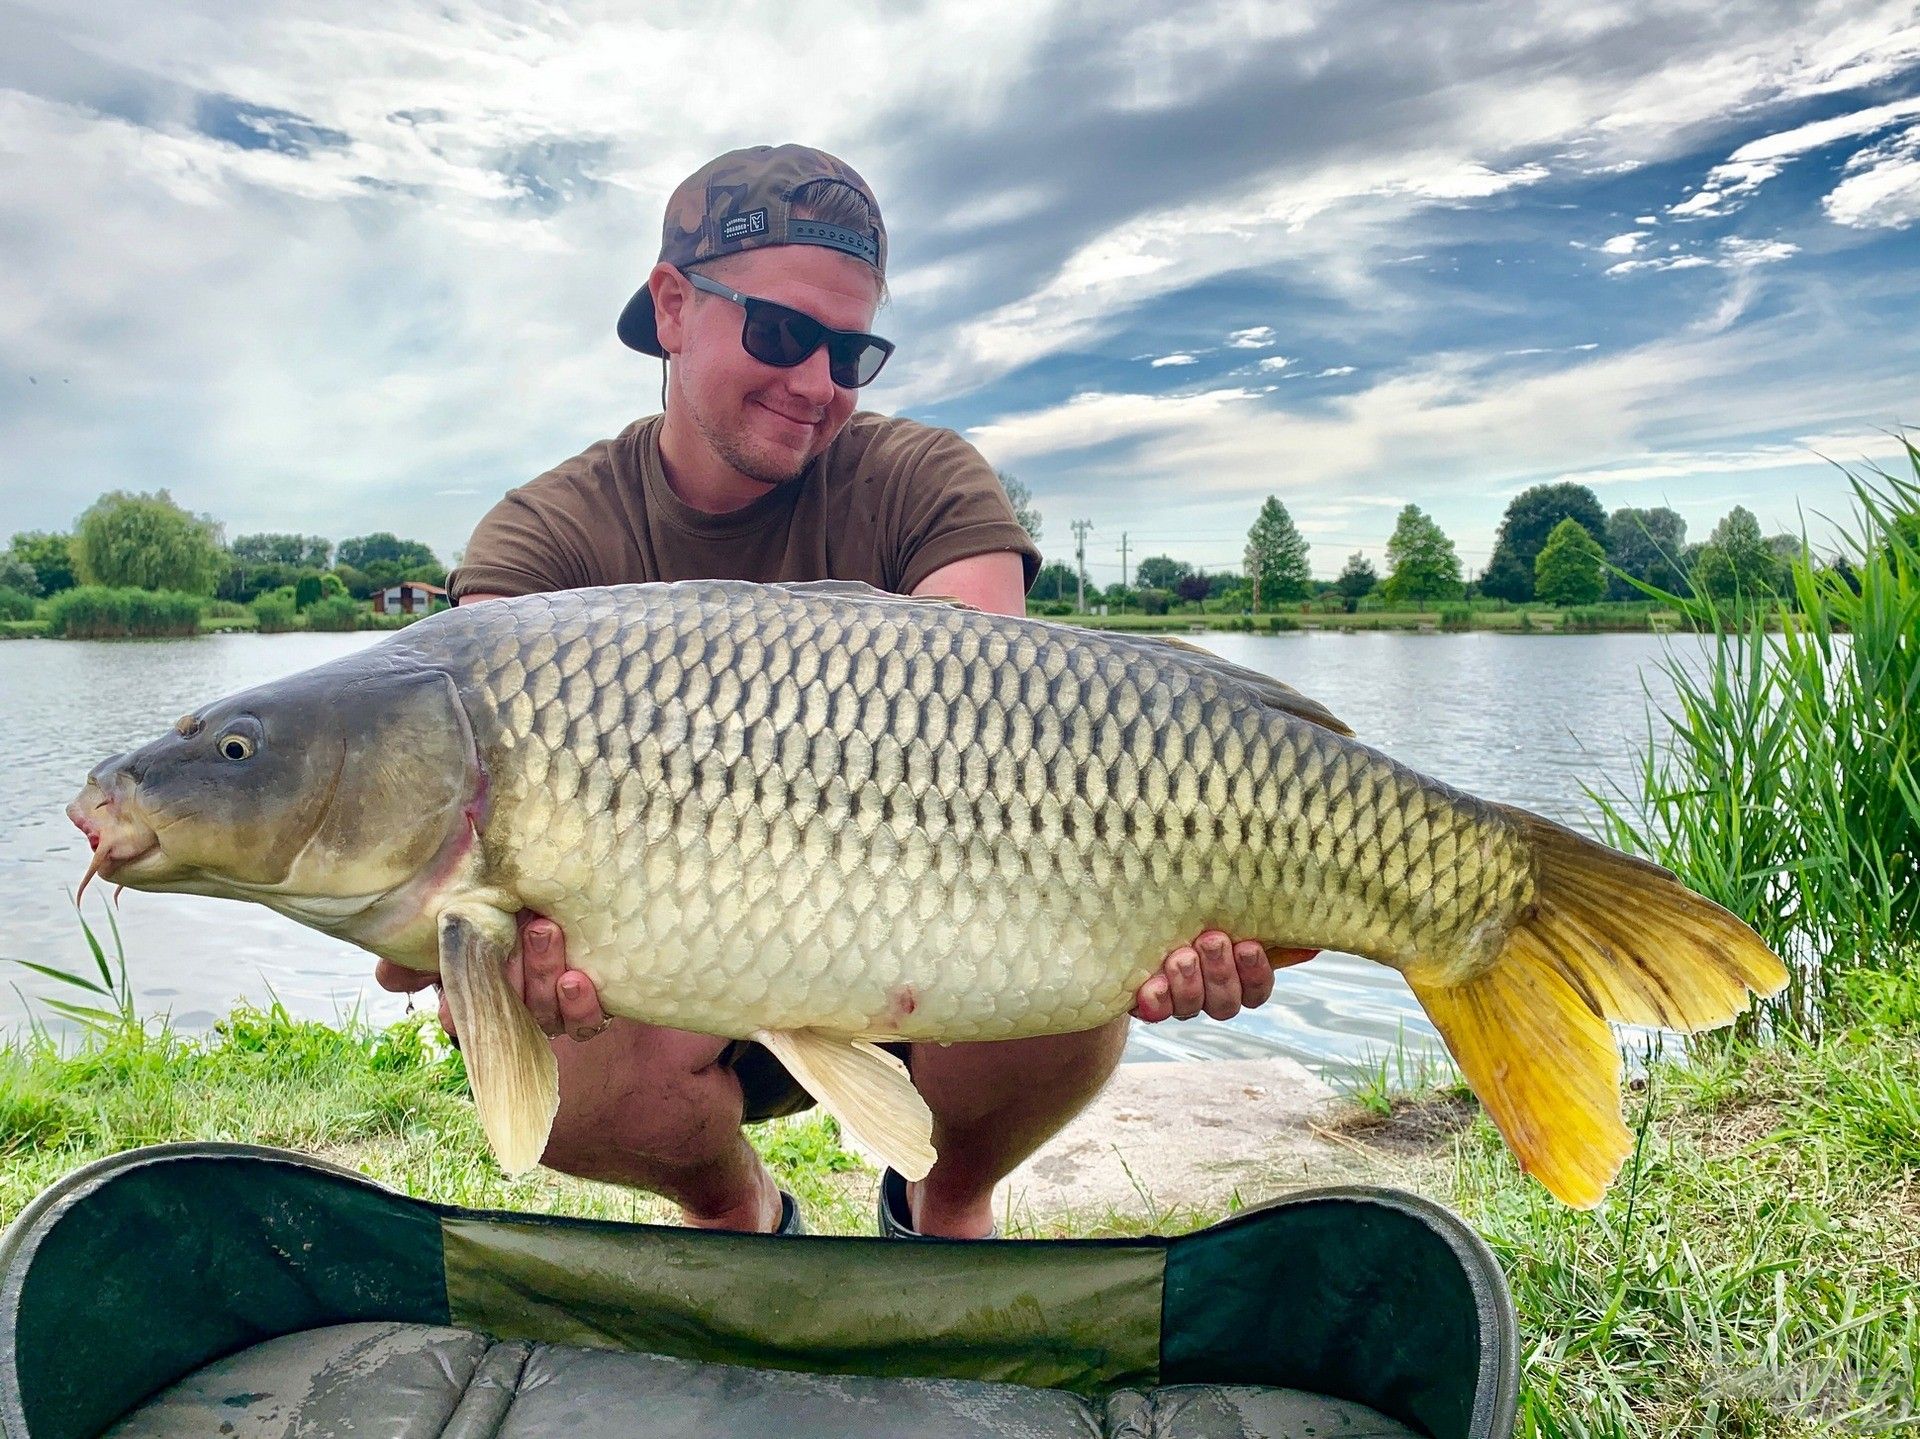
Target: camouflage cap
742 201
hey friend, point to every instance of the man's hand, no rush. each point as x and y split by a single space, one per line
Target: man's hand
1214 976
561 1000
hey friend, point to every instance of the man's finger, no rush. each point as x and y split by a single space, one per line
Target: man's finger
1184 984
1256 973
1153 1003
580 1010
545 958
400 979
1220 996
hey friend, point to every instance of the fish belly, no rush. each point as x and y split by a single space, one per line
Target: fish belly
750 809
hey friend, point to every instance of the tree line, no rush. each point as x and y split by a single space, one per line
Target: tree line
148 542
1555 545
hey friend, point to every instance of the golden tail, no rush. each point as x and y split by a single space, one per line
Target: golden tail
1608 937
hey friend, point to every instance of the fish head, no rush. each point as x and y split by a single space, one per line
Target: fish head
314 787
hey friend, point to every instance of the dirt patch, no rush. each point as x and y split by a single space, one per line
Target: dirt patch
1413 1128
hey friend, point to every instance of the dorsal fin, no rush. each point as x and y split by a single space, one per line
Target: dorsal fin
1268 689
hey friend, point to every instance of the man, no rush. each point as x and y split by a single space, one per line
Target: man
772 265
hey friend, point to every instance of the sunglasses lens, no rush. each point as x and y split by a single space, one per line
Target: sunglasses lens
775 335
853 360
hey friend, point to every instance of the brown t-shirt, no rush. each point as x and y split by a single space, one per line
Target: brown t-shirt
890 502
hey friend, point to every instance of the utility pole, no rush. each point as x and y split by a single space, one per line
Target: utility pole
1255 557
1123 560
1080 528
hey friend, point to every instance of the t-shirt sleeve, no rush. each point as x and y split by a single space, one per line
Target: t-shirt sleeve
515 551
950 507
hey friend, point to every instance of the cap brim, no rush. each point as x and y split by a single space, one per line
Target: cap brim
637 329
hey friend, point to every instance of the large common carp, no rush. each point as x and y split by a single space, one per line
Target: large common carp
818 815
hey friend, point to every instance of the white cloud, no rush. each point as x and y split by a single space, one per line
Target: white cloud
1882 186
1735 253
1176 359
1096 418
1758 161
1276 362
1624 244
1332 370
1256 337
1646 220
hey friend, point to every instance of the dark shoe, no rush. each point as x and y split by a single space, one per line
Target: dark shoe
790 1221
896 1215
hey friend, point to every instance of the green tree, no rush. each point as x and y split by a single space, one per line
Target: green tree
1195 587
1530 518
1055 582
363 552
306 552
1277 556
1021 498
306 591
1735 562
1161 572
1422 563
1571 566
1357 580
147 542
18 576
51 557
1647 544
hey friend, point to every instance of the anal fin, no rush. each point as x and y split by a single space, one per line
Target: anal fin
510 1064
865 1088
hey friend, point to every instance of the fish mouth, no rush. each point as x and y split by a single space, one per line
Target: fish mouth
120 841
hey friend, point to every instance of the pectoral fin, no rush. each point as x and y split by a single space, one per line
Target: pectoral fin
516 1083
865 1088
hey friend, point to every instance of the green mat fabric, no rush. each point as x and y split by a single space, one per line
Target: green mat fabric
132 1280
1070 1316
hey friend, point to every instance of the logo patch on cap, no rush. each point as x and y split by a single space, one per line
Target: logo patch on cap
754 222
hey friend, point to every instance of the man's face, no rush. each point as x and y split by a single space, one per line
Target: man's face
763 421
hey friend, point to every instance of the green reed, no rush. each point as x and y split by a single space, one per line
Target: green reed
95 612
1784 781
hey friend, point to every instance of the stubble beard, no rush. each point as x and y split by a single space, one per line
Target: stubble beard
756 466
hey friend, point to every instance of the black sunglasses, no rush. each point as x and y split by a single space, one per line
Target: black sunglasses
776 335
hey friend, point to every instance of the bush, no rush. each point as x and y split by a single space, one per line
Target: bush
15 606
336 612
95 612
226 610
1050 607
306 591
1456 617
1278 623
275 613
1154 602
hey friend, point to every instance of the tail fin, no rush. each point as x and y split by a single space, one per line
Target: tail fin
1609 937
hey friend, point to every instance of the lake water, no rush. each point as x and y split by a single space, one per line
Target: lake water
1526 720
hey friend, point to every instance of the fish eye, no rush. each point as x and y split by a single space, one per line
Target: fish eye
236 747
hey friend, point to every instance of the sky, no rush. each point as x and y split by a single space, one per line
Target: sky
341 267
